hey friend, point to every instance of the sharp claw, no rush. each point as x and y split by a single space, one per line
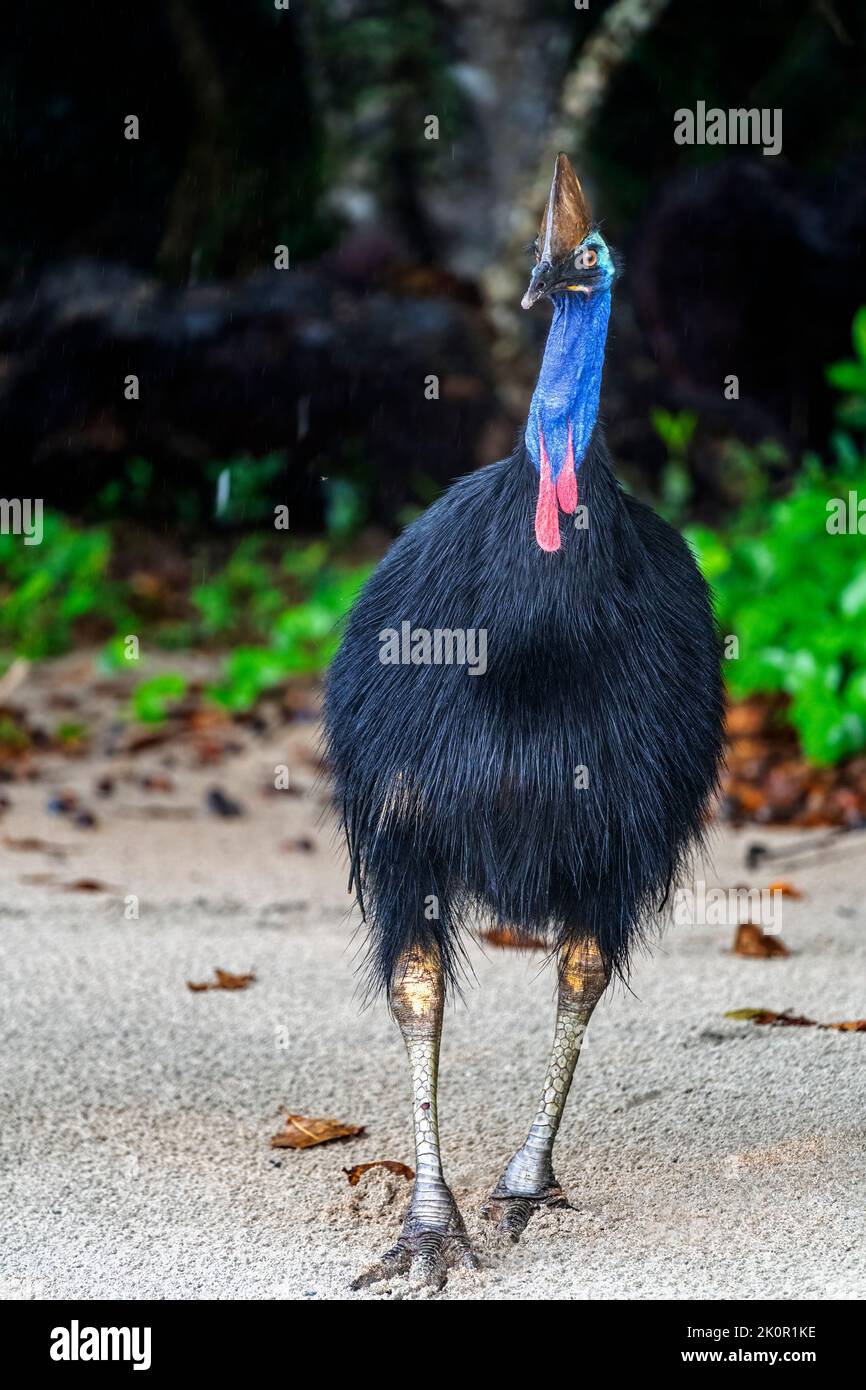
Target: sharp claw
425 1257
511 1215
469 1259
429 1264
395 1261
515 1218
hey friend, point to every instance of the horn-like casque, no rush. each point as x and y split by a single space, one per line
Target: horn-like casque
567 217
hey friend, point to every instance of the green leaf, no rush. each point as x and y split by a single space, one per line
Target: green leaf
847 376
852 599
150 699
858 333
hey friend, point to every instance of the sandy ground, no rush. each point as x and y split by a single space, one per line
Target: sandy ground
706 1158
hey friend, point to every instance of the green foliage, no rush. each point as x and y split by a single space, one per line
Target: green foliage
70 732
675 431
12 736
243 598
303 637
789 577
151 698
247 486
850 376
239 490
47 589
794 594
279 619
345 507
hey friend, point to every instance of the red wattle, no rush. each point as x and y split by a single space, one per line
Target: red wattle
546 512
566 483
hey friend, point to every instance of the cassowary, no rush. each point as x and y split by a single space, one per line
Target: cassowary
524 722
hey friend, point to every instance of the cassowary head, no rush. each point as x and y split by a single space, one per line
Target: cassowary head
570 256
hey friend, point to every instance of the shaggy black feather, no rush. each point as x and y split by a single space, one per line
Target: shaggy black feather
458 792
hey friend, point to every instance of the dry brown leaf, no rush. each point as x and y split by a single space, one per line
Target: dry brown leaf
151 738
303 1133
751 798
156 782
224 980
508 939
746 719
30 844
787 890
751 940
355 1174
768 1016
857 1025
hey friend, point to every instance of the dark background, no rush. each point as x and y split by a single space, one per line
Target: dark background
306 128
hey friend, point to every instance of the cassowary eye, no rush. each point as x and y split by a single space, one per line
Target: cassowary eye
586 258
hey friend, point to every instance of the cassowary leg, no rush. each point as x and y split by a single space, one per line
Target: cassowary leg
528 1181
433 1238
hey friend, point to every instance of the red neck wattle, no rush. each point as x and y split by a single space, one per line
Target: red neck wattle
551 497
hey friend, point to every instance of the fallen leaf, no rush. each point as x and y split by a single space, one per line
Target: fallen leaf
29 844
355 1174
751 940
749 798
746 719
224 980
768 1016
508 939
857 1025
787 890
303 1133
137 743
157 782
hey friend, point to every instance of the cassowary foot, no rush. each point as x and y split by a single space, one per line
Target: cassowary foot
424 1254
511 1212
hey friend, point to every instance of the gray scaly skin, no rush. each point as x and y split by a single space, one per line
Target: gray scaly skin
433 1238
528 1181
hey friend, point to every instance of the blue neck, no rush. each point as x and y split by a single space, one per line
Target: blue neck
569 382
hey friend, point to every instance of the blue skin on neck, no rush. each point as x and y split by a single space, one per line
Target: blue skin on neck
569 383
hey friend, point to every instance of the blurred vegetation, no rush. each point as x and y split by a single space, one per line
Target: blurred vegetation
277 619
48 590
788 573
789 576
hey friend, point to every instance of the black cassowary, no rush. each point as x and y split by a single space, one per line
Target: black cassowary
524 722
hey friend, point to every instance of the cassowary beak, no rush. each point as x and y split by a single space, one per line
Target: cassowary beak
540 281
566 221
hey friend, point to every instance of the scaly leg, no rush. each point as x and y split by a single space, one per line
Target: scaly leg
528 1181
433 1238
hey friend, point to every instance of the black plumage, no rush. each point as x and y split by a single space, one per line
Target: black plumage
462 794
